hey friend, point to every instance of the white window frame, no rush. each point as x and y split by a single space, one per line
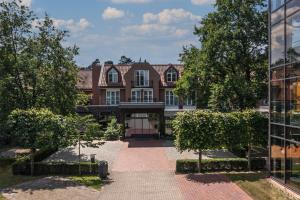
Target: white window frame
112 97
113 76
172 75
170 98
141 78
138 95
189 101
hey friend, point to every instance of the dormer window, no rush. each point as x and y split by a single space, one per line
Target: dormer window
172 75
113 76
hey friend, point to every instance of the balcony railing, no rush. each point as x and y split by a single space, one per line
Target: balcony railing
142 100
145 83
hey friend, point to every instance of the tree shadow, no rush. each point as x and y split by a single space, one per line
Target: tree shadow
207 178
69 154
221 153
49 183
144 143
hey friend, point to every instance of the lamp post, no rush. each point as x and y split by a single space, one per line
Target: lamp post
81 132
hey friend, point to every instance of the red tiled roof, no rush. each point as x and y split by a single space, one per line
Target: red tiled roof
84 79
123 69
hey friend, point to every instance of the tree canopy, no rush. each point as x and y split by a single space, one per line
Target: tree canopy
229 70
125 60
36 70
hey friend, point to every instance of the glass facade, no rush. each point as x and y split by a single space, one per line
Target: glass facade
285 91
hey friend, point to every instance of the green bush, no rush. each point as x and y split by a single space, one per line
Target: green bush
6 161
113 131
214 165
41 168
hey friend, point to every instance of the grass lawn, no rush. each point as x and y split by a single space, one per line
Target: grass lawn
256 186
90 181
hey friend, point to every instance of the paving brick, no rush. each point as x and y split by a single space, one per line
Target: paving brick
209 187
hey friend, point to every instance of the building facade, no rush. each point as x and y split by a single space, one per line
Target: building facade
284 127
140 95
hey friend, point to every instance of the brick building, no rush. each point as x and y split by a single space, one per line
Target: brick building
140 95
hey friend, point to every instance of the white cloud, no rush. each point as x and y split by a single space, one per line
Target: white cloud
112 13
202 2
168 16
72 25
154 30
23 2
131 1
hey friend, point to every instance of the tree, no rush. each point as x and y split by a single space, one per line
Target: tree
196 130
232 61
36 70
113 131
41 128
37 128
82 99
125 60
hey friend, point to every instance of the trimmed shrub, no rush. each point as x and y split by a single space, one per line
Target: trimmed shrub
215 165
40 168
6 161
113 131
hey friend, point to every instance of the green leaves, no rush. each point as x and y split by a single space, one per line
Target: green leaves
113 131
229 71
200 129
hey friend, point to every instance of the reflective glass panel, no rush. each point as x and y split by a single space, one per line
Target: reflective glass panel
277 16
292 70
277 130
292 7
293 134
293 101
277 73
293 164
293 38
277 44
277 158
277 101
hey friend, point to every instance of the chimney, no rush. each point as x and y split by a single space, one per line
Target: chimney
96 68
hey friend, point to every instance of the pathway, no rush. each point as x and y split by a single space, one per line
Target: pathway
140 170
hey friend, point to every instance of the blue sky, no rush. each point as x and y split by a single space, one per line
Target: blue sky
154 30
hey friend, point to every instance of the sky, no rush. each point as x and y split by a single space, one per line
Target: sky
155 30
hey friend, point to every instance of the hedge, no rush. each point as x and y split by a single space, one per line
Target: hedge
6 161
41 168
225 164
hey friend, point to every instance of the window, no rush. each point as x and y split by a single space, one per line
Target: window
189 101
170 98
277 101
293 38
276 4
112 97
277 158
277 44
171 75
292 164
113 76
141 78
292 7
142 95
293 101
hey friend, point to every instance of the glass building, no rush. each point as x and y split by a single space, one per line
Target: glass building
284 131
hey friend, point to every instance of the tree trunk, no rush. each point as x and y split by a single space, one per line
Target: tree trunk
200 161
32 161
249 157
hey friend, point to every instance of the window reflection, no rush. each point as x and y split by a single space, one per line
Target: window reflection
292 7
293 38
277 16
293 134
292 70
277 130
293 164
277 44
277 73
293 101
277 158
276 4
277 101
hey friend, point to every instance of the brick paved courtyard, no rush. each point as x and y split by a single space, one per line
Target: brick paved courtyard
140 170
